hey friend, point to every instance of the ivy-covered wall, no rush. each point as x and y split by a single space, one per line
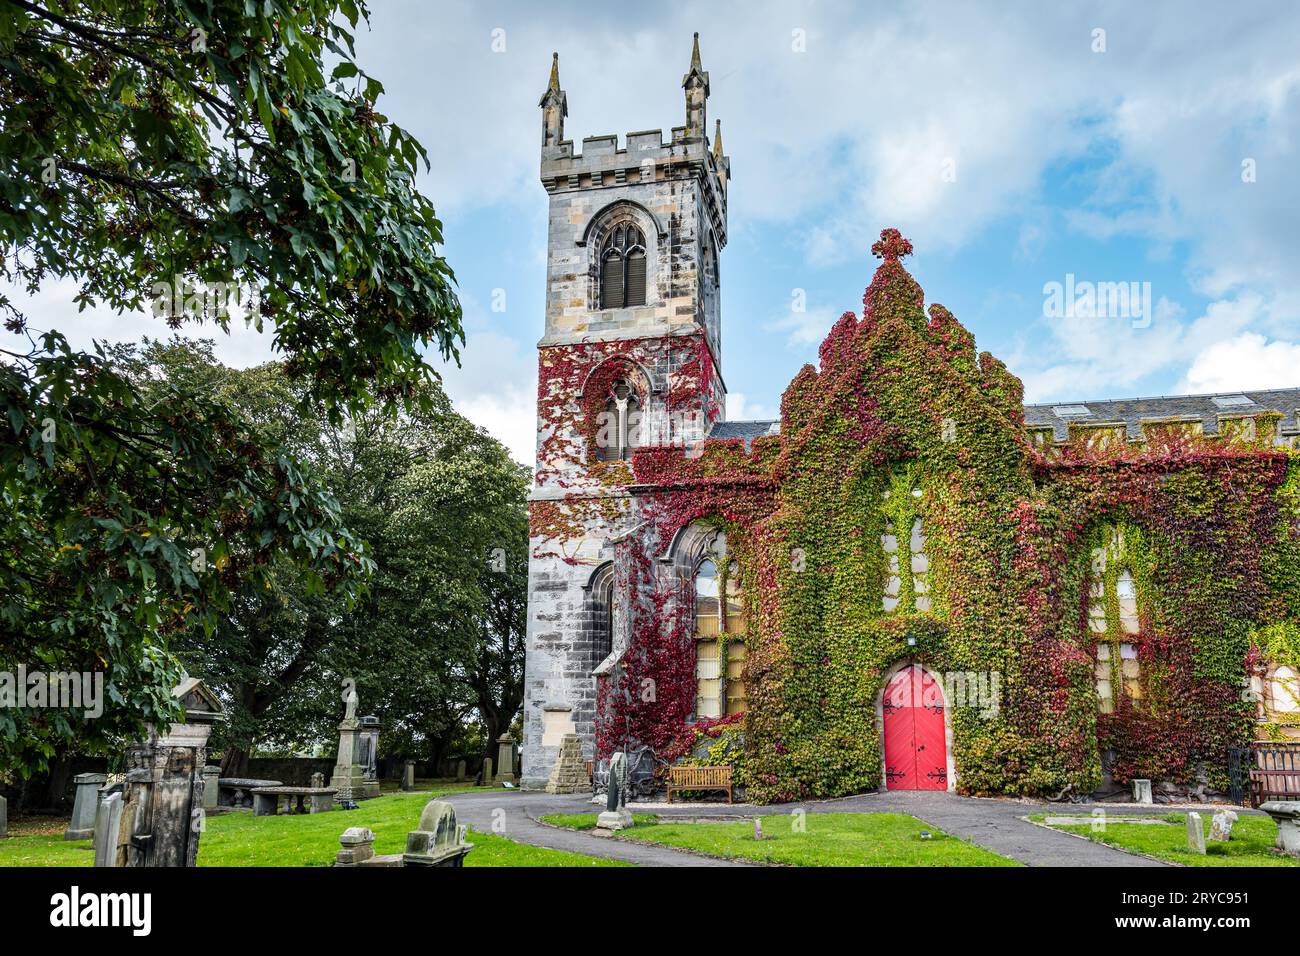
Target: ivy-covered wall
904 420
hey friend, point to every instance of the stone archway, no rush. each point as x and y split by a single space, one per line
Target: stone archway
915 731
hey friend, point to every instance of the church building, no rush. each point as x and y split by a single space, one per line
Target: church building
911 579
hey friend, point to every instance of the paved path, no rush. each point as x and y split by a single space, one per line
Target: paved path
996 825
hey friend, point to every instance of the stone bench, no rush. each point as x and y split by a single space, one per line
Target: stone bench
266 800
1286 814
238 791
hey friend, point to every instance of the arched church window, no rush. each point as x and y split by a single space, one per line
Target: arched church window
719 639
623 268
618 431
1113 620
708 627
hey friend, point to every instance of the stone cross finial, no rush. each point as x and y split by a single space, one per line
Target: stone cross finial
891 246
695 54
717 139
555 73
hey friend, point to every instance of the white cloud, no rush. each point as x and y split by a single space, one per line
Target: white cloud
740 409
808 327
496 387
1247 361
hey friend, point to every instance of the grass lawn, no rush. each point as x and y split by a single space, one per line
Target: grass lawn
241 839
828 839
1251 843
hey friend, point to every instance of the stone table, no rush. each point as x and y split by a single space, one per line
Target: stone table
266 800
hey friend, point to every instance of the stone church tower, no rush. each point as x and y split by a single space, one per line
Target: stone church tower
630 357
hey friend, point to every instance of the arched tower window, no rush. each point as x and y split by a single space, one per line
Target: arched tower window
623 267
1113 619
618 432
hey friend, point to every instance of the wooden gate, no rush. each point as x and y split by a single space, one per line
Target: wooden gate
916 751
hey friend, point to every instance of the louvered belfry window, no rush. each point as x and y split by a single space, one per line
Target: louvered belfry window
622 268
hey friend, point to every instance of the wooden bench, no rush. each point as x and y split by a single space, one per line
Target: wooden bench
699 778
1268 785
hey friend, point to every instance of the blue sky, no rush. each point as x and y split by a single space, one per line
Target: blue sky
1001 138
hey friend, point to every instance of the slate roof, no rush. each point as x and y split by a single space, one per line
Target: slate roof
1186 407
746 430
1130 411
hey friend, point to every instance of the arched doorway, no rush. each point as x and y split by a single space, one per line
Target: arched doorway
914 731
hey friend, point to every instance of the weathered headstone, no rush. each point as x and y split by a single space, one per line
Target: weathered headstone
569 773
460 770
1221 825
1286 814
369 757
487 771
616 816
357 846
438 841
4 818
1142 791
108 827
84 804
505 760
408 775
318 780
211 787
1195 833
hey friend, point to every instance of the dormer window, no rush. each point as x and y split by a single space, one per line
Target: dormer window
622 268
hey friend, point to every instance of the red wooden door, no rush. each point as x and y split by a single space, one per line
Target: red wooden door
916 752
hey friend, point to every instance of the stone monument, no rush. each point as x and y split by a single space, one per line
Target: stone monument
349 774
505 760
358 846
4 818
157 821
408 774
616 816
487 772
318 780
1142 791
438 841
84 804
569 775
460 770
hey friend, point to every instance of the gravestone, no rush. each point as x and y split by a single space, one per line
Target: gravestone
487 771
84 804
1195 833
1286 814
211 787
569 773
1221 826
348 780
369 757
408 775
505 760
616 816
357 846
460 770
1142 791
439 841
4 818
108 825
317 780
